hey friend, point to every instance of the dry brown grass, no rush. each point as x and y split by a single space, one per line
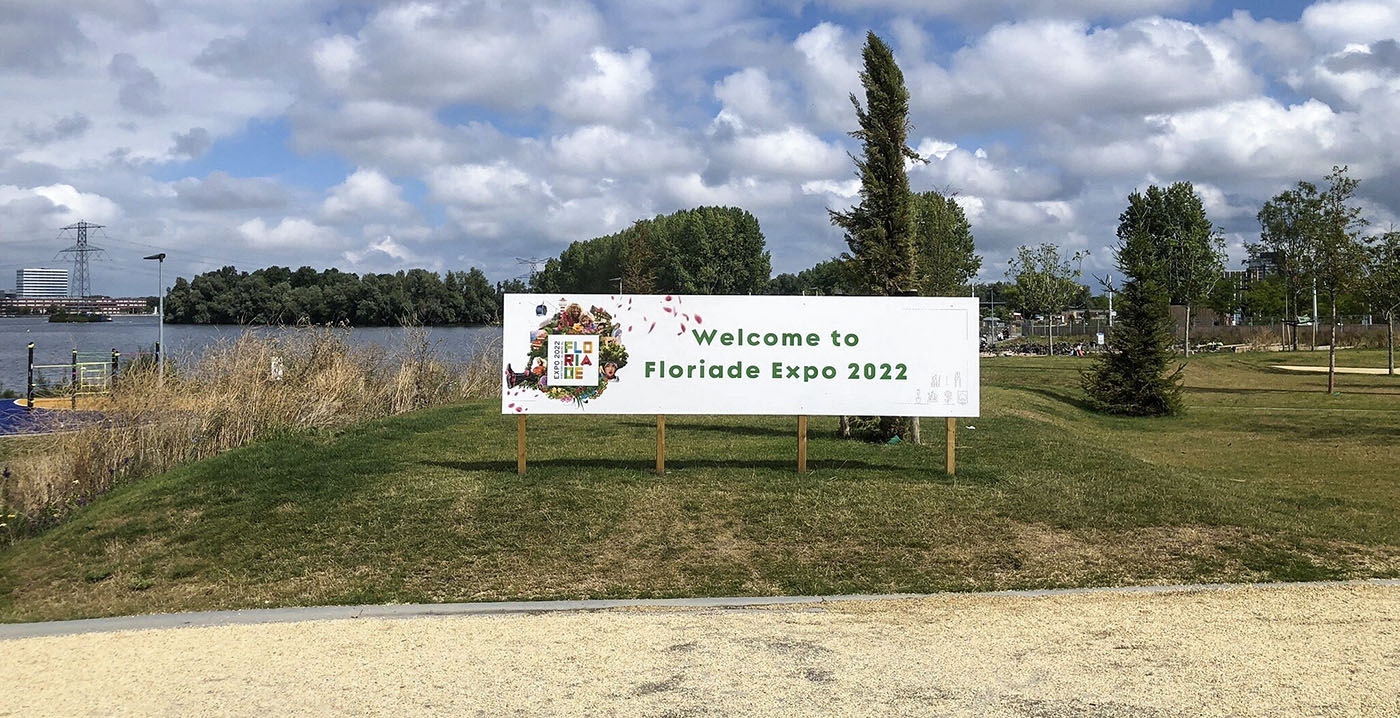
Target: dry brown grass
258 385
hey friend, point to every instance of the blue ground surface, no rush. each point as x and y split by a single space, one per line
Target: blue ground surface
15 419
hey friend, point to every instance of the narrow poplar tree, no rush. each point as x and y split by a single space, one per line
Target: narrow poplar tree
1135 376
880 230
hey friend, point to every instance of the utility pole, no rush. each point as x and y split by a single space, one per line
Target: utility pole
82 281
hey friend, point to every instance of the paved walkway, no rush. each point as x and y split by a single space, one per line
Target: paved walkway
1291 650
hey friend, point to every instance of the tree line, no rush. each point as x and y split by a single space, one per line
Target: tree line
1168 252
279 295
706 250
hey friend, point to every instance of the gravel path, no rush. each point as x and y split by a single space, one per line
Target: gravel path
1323 369
1298 650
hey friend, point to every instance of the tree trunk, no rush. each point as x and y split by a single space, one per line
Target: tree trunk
1390 342
1186 332
914 435
1050 334
843 429
1331 350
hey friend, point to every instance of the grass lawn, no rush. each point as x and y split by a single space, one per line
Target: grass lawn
1266 478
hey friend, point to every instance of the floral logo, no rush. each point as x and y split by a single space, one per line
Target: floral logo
574 355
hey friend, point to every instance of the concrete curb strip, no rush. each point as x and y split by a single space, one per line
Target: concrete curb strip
427 610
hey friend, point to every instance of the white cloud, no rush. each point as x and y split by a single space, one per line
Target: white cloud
689 190
292 233
220 192
510 56
790 152
1341 22
991 10
481 185
388 254
364 194
611 151
842 190
1150 65
67 203
831 72
612 90
752 98
1258 138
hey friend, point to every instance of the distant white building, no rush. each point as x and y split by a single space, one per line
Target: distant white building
34 282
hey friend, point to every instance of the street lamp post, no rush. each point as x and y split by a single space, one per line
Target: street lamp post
160 298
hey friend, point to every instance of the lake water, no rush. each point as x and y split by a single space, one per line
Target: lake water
54 343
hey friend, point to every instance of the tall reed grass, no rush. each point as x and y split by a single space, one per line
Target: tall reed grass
262 384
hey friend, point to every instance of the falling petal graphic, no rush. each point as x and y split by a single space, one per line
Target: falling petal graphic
687 317
698 320
653 326
668 297
666 309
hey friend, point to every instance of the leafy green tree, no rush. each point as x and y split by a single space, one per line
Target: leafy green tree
1188 251
880 230
1045 282
1383 286
1224 298
1134 376
706 250
828 278
638 262
947 258
277 295
1287 228
1265 300
1339 256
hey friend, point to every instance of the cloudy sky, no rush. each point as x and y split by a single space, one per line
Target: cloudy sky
376 136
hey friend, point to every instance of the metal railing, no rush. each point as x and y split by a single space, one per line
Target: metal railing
86 374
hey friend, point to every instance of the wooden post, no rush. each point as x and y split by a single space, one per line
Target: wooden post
801 444
952 446
73 378
660 444
520 444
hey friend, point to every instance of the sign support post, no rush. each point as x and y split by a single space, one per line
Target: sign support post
802 444
520 444
661 445
952 446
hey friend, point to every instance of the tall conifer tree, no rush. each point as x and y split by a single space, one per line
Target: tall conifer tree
880 230
1135 376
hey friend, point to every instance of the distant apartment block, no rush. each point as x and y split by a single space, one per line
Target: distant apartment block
36 283
13 306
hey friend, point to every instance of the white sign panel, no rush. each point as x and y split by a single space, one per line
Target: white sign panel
673 354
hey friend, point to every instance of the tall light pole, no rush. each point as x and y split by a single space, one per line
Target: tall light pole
160 298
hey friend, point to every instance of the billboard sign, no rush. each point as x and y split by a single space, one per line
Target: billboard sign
675 354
